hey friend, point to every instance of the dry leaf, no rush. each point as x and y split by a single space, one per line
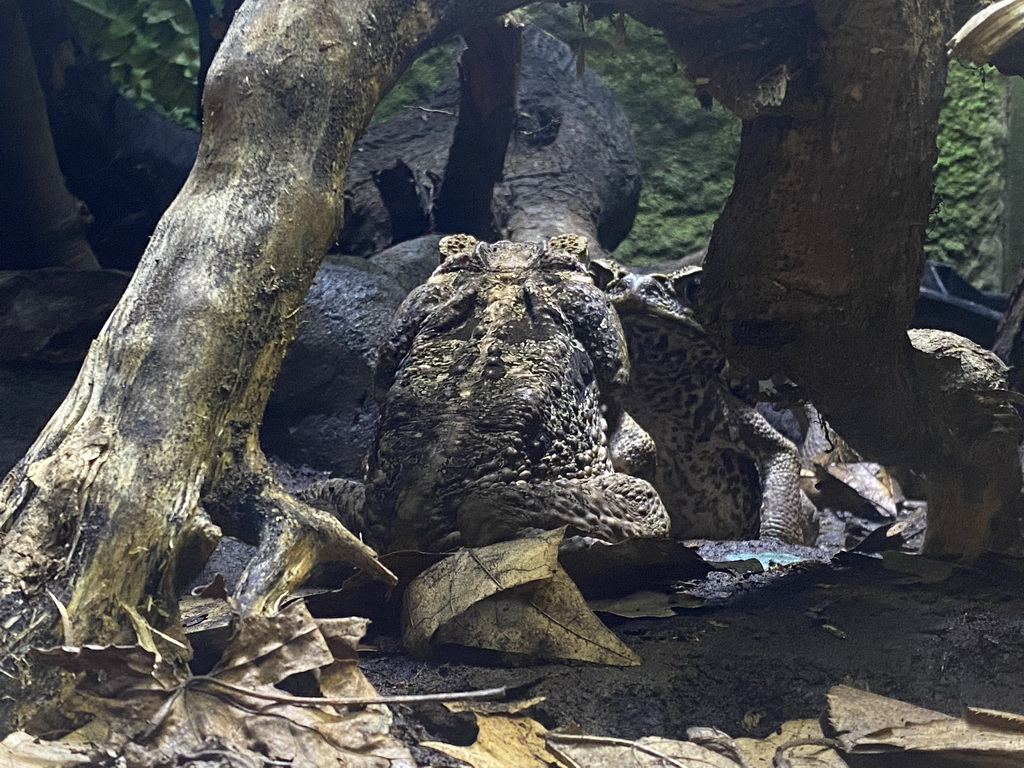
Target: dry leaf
447 589
237 710
19 750
648 752
122 665
855 712
760 753
549 620
993 718
342 677
264 652
511 597
121 685
872 482
503 742
863 488
869 724
267 649
646 604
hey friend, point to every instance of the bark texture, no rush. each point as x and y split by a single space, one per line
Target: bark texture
813 267
489 81
1009 343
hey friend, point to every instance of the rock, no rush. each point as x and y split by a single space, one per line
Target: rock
571 165
52 315
322 412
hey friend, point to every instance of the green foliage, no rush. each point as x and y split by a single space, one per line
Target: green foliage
417 83
151 46
966 226
687 154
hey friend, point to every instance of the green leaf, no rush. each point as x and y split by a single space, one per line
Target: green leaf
114 49
122 26
158 16
146 43
101 8
184 26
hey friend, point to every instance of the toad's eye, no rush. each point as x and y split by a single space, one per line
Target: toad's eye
602 273
687 288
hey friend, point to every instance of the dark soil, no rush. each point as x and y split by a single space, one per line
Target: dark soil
768 654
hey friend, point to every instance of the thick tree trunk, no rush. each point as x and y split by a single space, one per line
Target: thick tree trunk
1009 344
814 264
160 427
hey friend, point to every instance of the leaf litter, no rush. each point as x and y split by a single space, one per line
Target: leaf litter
241 713
288 689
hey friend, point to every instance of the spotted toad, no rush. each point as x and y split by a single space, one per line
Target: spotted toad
722 470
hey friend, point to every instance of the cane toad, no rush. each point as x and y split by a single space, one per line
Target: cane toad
722 471
500 384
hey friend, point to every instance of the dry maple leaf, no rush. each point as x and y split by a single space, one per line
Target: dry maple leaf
237 712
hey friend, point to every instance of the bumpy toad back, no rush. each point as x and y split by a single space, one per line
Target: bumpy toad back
495 385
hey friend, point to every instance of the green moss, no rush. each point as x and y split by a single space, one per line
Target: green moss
417 83
687 154
965 229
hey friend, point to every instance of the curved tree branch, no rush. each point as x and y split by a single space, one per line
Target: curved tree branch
170 396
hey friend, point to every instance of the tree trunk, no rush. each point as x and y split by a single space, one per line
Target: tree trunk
1009 344
814 264
489 80
160 428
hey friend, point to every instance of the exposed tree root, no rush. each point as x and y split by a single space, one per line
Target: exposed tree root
296 538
